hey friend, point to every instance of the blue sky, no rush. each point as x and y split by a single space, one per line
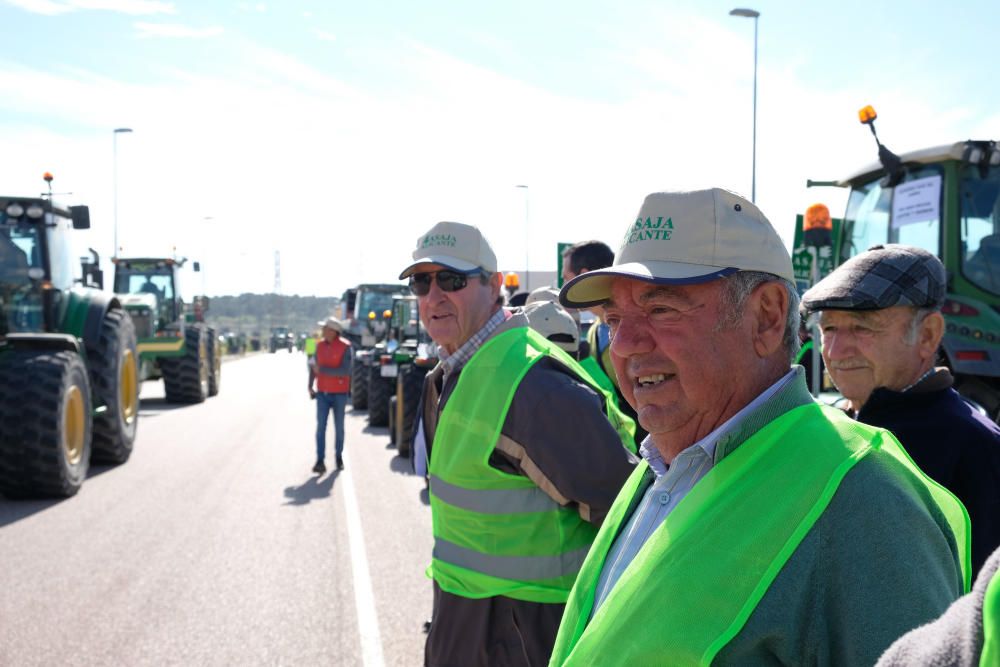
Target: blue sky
337 132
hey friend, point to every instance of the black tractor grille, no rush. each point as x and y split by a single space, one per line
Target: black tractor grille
142 319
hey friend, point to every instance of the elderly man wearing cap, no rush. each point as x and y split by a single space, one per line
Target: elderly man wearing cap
881 325
526 455
757 530
331 372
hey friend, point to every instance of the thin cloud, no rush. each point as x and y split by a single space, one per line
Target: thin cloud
175 30
131 7
325 36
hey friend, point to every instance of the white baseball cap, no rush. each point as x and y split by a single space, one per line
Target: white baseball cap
543 294
454 245
332 323
553 322
681 238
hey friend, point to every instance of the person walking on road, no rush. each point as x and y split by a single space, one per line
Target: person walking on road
331 373
761 528
881 326
525 456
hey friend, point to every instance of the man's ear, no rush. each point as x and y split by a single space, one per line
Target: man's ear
931 332
768 308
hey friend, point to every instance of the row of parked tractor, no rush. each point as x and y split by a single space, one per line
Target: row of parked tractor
73 355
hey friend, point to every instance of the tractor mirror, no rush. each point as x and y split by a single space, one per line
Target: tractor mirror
196 266
81 217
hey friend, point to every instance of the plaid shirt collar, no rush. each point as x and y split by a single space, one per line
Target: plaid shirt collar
453 362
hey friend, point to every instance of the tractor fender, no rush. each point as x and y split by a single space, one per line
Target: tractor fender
43 341
85 315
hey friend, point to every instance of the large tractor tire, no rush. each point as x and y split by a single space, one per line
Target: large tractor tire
413 385
214 349
45 427
114 380
359 385
379 391
185 378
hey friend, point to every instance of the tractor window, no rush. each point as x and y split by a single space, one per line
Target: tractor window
19 251
871 209
980 229
376 302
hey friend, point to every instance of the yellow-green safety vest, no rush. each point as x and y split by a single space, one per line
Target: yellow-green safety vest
990 657
732 534
310 346
497 533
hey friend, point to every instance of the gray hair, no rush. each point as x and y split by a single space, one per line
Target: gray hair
737 289
913 330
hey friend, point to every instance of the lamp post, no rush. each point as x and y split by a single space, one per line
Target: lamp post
752 14
114 152
527 271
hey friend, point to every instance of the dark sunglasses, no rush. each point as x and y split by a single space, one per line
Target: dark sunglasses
447 281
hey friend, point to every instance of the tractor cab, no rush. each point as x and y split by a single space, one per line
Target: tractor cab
150 291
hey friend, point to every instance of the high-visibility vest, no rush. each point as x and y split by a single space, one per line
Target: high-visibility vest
497 533
310 346
990 657
330 355
699 577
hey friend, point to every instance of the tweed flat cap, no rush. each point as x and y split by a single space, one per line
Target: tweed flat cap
881 277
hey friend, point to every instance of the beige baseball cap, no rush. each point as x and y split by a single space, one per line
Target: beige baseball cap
456 246
681 238
553 322
543 294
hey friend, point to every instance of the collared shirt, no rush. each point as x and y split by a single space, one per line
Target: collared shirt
452 362
670 484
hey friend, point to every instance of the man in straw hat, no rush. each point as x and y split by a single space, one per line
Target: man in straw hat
525 455
761 528
331 373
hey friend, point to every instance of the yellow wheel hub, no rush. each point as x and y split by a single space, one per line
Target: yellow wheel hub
128 381
74 425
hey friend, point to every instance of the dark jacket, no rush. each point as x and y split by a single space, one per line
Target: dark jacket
555 434
953 640
955 445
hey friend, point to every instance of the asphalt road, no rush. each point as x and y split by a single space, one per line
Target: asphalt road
216 545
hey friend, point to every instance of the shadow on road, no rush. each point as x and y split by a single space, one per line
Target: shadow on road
315 488
376 430
13 510
425 496
401 464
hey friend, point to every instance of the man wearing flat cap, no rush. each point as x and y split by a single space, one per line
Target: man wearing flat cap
756 530
330 370
525 456
881 325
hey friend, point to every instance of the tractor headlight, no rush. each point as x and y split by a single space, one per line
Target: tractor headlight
14 210
35 211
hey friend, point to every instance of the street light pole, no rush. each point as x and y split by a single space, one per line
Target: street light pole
527 271
114 159
753 14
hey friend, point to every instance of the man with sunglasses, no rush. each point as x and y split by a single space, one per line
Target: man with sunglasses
525 455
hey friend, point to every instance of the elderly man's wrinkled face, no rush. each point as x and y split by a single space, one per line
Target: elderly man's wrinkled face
675 365
452 317
864 350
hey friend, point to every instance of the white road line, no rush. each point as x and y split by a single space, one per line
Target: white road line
371 640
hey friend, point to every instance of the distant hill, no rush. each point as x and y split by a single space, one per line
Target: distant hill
249 313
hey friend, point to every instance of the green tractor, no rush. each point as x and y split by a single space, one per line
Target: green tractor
281 339
946 200
174 342
365 311
410 355
69 389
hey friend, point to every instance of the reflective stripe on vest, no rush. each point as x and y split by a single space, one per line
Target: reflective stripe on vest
990 656
731 534
497 533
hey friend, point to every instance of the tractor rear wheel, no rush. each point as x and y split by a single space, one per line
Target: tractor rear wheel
45 427
114 379
185 378
214 349
379 391
359 385
392 420
413 385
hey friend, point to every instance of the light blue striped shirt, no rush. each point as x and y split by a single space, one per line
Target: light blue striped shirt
671 483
